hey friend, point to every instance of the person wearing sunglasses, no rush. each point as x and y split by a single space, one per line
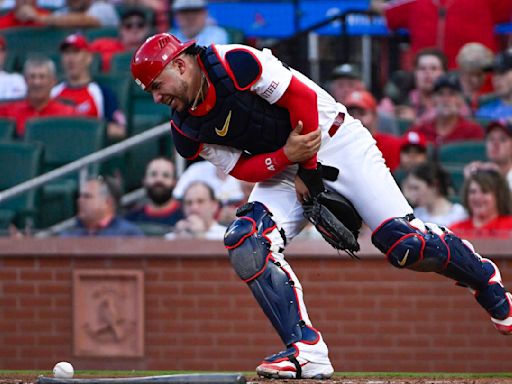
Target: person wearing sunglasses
135 27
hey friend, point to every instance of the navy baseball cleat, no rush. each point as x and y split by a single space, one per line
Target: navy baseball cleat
300 361
501 313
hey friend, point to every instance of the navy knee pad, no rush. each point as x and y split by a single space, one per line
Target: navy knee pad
250 252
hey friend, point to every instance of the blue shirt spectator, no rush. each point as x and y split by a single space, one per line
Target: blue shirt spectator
115 227
192 22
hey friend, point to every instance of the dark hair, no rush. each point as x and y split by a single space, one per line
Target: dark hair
432 52
490 181
194 50
434 175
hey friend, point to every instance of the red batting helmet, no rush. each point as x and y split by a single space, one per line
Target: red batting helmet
153 55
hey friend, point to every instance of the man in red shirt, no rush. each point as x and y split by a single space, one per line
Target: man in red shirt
448 125
134 29
88 97
17 17
363 106
40 77
445 24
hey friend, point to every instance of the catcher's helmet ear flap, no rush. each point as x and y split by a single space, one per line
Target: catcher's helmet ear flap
153 55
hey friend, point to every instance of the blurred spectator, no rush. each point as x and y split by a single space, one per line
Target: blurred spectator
345 79
444 23
448 125
161 208
427 187
501 107
160 9
227 212
362 106
88 97
487 198
39 75
133 30
16 17
429 65
413 151
396 96
192 22
498 148
12 85
226 188
97 212
200 207
473 62
77 14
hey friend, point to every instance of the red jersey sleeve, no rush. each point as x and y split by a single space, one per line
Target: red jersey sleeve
260 167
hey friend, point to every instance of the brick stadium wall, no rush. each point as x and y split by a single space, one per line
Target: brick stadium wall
199 316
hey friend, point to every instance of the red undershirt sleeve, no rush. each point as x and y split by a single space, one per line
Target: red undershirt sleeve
260 167
301 102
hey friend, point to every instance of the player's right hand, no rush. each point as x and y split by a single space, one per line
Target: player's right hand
299 148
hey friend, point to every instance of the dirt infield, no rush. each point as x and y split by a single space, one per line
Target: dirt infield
32 379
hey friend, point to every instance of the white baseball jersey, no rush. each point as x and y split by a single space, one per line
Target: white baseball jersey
364 178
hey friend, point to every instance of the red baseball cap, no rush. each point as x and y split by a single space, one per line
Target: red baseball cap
500 124
76 41
361 99
413 139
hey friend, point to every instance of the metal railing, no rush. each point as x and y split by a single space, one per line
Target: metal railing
82 164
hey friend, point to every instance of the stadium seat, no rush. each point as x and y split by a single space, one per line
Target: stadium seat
235 35
65 139
22 39
19 162
120 62
404 125
92 34
461 153
7 128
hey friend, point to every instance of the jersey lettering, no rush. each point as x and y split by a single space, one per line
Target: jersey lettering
270 90
269 164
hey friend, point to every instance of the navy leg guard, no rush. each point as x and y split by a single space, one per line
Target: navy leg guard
408 243
249 244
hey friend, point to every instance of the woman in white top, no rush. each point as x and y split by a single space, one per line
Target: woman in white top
426 187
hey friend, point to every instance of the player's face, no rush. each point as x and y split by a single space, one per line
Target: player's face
172 88
428 70
482 204
499 146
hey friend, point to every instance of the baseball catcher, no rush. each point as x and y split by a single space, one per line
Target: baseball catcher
260 120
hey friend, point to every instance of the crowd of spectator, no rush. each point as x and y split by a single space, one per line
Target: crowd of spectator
455 88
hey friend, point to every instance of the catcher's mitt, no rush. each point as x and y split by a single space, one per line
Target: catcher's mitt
336 219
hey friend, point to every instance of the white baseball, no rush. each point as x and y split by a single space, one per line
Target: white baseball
63 370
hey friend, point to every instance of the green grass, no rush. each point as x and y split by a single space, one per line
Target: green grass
429 375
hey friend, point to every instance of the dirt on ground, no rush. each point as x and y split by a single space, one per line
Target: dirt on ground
32 379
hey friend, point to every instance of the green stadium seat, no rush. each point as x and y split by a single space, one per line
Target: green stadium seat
120 62
235 35
35 39
19 162
404 125
65 139
461 153
92 34
7 128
